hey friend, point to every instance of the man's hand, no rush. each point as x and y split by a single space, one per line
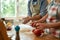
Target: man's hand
26 20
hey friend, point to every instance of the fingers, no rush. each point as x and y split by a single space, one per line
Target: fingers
26 21
33 24
40 26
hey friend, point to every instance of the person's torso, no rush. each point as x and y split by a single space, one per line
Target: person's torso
36 8
54 12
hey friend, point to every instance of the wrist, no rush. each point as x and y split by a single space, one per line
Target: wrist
30 18
39 21
46 25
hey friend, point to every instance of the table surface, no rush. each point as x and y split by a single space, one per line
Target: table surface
31 36
28 35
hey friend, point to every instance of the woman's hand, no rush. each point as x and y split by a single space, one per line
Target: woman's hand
33 23
26 20
41 26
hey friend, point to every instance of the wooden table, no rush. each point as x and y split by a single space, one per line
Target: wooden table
31 36
28 35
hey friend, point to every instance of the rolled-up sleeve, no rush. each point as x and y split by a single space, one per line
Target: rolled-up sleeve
29 11
43 5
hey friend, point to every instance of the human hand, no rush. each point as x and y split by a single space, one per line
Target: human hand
33 24
41 26
26 20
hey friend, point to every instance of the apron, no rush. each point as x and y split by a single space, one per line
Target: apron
54 16
35 7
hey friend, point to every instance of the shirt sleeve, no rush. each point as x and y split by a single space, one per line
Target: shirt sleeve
43 5
29 11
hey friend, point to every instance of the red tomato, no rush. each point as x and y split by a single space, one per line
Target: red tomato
37 32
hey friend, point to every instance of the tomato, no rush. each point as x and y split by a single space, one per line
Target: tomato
37 32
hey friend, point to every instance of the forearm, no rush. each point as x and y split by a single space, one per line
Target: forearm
43 19
53 25
37 17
